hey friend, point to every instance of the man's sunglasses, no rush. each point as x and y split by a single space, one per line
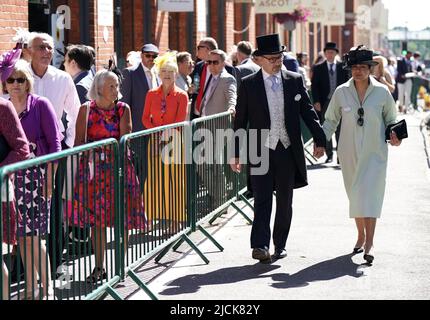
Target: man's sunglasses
360 120
201 47
149 56
214 62
19 80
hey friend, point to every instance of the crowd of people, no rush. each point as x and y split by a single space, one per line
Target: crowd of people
50 110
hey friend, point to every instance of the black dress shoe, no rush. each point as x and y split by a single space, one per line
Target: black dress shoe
248 195
369 258
279 254
357 250
329 159
261 254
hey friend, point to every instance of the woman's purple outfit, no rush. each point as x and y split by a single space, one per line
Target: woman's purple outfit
11 130
40 126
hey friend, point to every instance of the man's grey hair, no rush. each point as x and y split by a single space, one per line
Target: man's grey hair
210 42
220 53
40 35
98 82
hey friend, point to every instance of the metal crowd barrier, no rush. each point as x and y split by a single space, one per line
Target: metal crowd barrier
118 204
75 190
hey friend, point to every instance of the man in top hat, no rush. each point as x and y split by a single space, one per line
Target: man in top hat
138 80
274 99
326 77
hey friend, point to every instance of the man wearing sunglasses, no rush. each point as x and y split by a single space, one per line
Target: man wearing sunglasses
271 103
200 75
138 80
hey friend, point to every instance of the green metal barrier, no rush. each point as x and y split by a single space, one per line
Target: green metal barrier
159 156
217 187
121 205
88 195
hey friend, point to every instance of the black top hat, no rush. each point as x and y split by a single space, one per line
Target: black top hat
268 44
359 55
331 46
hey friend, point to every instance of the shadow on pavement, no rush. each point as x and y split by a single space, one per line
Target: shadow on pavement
323 271
192 283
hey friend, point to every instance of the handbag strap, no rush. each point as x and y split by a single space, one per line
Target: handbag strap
87 111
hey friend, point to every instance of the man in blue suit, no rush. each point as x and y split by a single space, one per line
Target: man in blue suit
138 80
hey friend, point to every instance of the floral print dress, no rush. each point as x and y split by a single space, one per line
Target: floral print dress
94 192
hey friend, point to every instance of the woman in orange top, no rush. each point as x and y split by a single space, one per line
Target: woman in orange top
165 186
166 104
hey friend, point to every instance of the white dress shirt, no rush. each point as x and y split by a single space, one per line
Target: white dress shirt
58 87
275 100
151 78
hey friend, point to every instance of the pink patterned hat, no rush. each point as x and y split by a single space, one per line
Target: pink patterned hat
7 63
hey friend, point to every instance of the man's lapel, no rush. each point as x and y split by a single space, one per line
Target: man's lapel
260 89
141 79
289 87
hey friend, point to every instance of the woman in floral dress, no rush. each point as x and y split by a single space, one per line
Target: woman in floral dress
101 118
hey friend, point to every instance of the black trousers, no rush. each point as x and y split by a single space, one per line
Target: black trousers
56 233
280 177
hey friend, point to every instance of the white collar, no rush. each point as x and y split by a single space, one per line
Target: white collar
145 68
334 65
267 76
50 72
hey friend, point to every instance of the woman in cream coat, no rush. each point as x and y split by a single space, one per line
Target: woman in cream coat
366 108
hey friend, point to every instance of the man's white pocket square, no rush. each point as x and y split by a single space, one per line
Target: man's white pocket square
297 97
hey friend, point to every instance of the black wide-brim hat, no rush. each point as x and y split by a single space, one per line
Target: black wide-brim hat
268 44
359 55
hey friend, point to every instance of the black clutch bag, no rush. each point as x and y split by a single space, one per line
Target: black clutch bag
399 128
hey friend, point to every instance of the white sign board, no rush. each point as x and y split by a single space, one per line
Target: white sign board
176 5
335 12
317 9
58 36
275 6
363 18
105 13
327 12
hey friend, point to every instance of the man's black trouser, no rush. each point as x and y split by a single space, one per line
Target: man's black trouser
56 233
280 177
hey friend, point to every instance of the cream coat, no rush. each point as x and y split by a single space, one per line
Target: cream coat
362 151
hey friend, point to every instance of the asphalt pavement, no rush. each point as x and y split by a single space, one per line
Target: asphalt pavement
319 264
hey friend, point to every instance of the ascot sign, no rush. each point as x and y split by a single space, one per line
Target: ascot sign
275 6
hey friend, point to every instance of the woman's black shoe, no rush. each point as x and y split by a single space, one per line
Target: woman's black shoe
97 275
368 257
357 250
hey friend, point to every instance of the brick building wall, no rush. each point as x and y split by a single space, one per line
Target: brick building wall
13 14
104 49
229 26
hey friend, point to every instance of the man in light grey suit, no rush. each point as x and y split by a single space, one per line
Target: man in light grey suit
220 94
138 80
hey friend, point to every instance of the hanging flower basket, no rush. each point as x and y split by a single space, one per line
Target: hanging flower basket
300 14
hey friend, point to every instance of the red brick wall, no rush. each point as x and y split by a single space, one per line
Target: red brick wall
252 25
104 50
229 27
132 26
160 30
13 14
